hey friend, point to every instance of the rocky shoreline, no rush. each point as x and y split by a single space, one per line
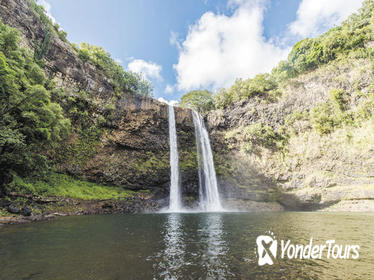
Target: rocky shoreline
46 209
37 209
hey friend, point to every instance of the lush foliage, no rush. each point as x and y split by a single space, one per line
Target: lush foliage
61 185
87 127
263 85
30 122
198 100
123 81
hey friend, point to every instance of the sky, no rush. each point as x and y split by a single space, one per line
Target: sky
183 45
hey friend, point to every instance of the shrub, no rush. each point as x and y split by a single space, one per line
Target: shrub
306 55
339 99
327 116
261 84
261 134
322 119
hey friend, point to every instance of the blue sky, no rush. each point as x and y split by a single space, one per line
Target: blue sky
180 45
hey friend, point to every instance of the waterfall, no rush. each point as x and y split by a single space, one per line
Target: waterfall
208 187
175 203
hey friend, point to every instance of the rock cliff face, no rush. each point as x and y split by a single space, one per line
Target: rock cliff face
132 149
311 171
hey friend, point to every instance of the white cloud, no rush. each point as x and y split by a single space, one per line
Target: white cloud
219 48
174 39
150 70
47 8
169 89
317 16
171 102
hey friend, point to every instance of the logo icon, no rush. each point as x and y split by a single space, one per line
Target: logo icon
266 249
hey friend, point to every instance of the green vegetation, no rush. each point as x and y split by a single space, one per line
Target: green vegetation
263 85
30 123
187 159
4 213
198 100
81 150
41 48
322 119
87 128
123 81
339 112
61 185
328 116
257 134
49 26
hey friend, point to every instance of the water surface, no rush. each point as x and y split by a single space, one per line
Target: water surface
181 246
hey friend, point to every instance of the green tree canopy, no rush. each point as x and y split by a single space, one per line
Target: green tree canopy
30 122
199 100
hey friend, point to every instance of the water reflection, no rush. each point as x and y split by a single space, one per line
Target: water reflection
172 258
196 248
216 251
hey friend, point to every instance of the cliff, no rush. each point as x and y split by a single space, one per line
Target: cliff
311 170
133 150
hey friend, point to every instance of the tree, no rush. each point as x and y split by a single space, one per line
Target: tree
198 100
30 123
222 98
